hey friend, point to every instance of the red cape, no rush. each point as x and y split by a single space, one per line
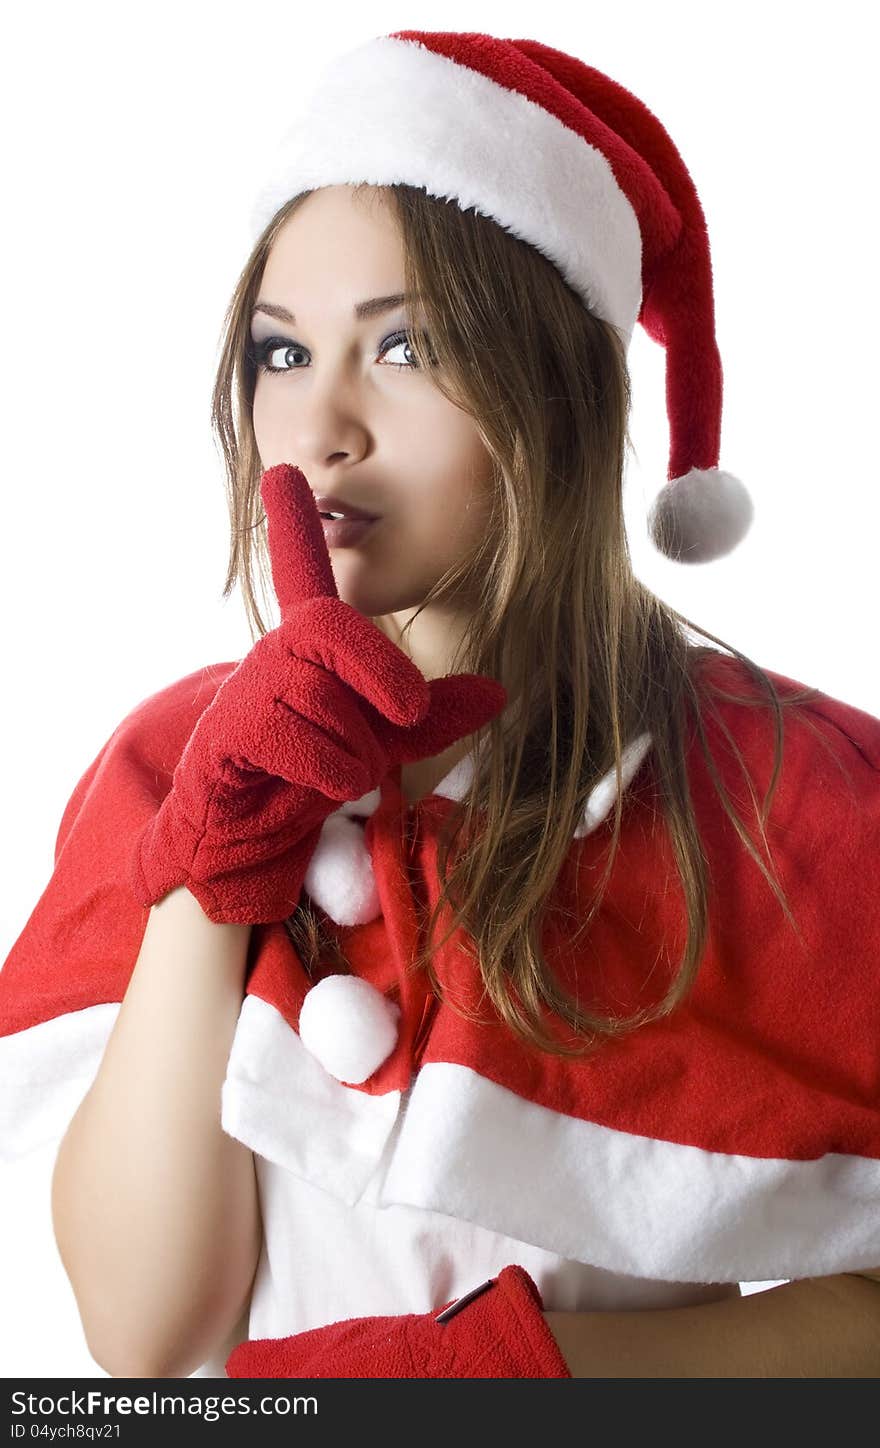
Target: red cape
758 1096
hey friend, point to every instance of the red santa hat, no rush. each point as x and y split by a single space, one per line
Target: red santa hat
570 162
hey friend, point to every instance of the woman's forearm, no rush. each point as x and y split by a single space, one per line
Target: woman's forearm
155 1208
822 1327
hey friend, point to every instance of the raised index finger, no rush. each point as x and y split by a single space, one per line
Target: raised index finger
297 549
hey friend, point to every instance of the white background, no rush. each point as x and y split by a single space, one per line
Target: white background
133 146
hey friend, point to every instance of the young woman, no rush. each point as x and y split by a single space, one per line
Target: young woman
462 983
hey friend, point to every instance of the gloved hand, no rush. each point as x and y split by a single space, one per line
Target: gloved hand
314 715
498 1331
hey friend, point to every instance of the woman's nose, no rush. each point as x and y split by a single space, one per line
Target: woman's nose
327 419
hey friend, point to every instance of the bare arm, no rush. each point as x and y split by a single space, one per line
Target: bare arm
155 1209
819 1327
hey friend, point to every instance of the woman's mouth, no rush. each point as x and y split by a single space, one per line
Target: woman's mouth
345 532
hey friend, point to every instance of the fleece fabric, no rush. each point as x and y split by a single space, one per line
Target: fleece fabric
315 714
738 1139
497 1331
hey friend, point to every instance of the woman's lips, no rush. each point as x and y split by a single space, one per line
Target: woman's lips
346 532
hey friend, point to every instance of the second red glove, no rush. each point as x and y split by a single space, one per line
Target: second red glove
496 1331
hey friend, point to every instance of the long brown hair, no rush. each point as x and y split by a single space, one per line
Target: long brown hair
592 656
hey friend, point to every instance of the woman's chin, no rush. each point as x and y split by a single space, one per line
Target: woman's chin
374 602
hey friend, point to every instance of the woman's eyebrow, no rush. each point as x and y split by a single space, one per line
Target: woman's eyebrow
371 308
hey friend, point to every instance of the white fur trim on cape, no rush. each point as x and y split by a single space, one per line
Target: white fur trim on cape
392 111
279 1100
460 1144
45 1073
603 795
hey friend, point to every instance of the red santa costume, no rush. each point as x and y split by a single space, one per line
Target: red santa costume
404 1153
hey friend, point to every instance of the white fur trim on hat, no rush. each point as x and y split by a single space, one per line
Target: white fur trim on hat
392 111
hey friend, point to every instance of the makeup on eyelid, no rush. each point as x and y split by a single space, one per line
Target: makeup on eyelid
261 350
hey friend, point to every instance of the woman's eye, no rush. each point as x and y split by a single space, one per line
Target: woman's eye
393 344
278 355
265 352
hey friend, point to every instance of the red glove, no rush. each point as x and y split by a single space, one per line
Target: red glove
496 1331
314 715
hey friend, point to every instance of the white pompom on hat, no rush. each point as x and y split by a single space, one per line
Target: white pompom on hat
575 165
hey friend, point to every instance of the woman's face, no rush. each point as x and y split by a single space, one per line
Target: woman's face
351 408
